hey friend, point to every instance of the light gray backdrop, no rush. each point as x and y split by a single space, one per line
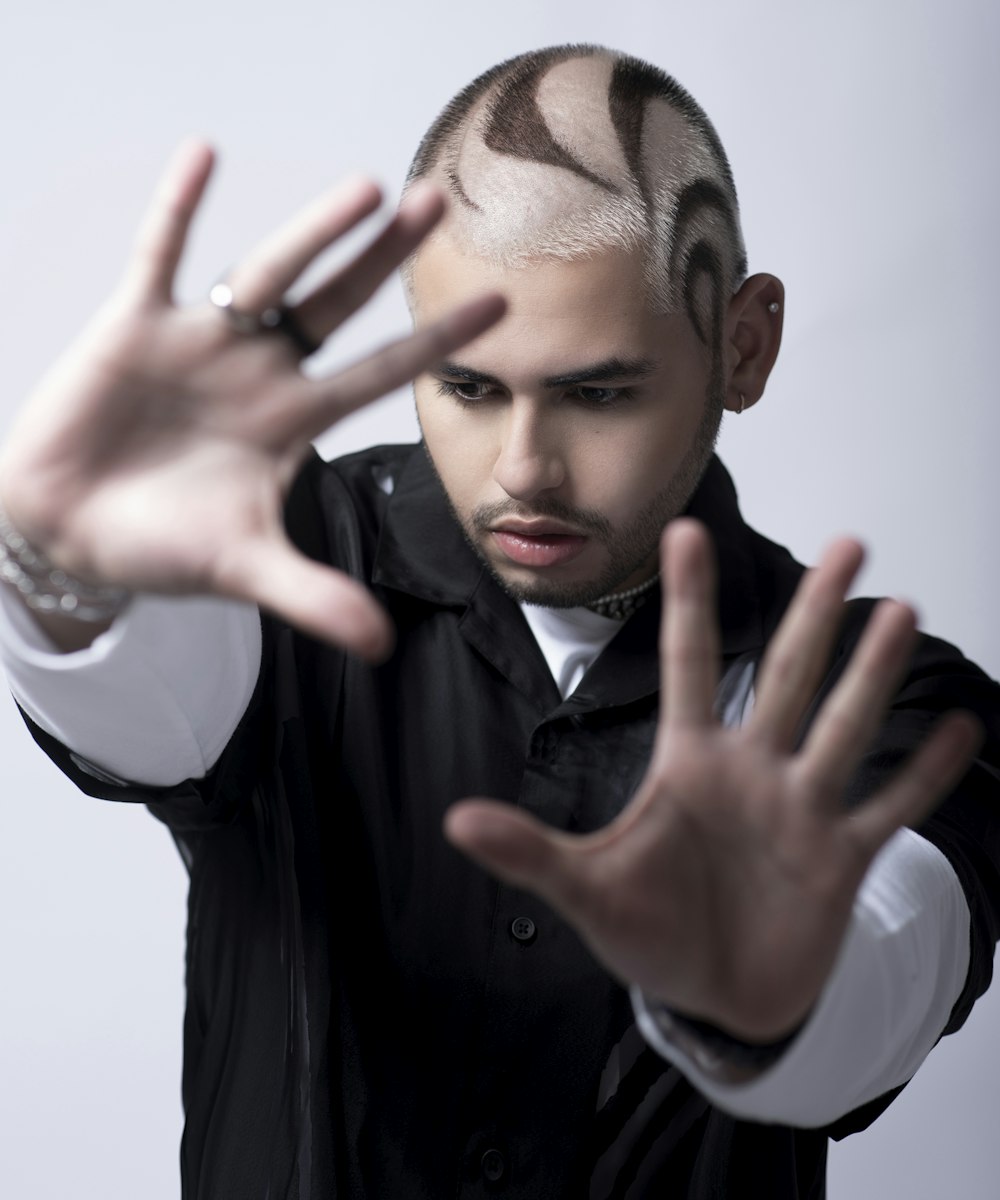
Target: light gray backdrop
862 137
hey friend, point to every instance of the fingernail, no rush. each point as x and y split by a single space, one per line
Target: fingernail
476 316
422 195
379 645
909 606
361 185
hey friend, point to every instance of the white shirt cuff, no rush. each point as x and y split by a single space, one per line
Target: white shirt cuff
899 972
152 700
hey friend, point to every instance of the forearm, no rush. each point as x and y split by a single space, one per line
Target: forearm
153 698
900 970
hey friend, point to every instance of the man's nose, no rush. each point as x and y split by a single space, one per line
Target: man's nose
530 459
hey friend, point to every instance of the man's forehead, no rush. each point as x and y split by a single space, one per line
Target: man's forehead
445 273
563 318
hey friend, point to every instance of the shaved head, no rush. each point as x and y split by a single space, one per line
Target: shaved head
574 150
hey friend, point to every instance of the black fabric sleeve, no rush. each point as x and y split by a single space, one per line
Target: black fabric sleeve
966 825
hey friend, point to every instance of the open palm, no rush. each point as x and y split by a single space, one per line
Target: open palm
156 453
725 887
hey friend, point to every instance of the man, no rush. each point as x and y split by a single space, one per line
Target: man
687 977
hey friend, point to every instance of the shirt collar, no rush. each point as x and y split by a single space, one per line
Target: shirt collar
423 553
422 550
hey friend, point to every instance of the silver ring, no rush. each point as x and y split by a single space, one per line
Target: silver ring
275 319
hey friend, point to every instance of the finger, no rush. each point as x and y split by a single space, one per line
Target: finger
929 776
322 402
330 305
162 233
263 277
689 635
516 847
318 600
798 654
850 716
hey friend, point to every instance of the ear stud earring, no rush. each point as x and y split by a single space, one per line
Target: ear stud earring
773 306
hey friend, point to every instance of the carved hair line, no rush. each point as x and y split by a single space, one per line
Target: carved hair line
573 150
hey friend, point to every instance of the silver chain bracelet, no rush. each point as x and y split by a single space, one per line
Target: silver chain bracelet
47 589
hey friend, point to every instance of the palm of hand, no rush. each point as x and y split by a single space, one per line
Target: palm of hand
175 429
157 452
722 858
725 887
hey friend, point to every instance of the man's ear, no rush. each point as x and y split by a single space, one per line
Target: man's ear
754 319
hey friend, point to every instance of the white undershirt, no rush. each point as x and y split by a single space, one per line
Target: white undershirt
139 705
570 639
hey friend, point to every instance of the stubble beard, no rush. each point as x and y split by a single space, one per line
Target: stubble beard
629 549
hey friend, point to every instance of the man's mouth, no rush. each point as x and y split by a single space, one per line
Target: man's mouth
542 543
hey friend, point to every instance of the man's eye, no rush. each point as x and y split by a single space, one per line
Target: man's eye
463 390
602 397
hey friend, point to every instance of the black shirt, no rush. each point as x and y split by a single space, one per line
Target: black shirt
371 1015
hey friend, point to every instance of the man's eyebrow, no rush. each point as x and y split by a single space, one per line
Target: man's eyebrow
602 372
455 370
618 369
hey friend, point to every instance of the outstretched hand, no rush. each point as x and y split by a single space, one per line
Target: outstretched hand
157 452
725 887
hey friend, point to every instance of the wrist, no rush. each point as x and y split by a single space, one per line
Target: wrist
717 1053
48 590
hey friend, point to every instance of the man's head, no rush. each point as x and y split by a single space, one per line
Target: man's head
593 191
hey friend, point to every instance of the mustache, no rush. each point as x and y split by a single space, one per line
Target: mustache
485 516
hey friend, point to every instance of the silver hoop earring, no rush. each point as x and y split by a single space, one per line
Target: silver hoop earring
742 404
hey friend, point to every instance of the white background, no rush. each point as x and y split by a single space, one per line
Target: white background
862 137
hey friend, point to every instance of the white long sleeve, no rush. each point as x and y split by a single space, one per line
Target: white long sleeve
899 972
152 700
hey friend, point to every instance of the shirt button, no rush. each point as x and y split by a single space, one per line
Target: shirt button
493 1166
523 928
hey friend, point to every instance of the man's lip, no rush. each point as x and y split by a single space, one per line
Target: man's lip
538 549
537 529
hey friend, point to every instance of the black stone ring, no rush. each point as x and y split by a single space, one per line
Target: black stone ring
278 319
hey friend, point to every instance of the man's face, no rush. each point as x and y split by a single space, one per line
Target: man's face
569 434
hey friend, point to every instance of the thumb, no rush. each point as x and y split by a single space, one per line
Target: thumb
317 599
516 847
